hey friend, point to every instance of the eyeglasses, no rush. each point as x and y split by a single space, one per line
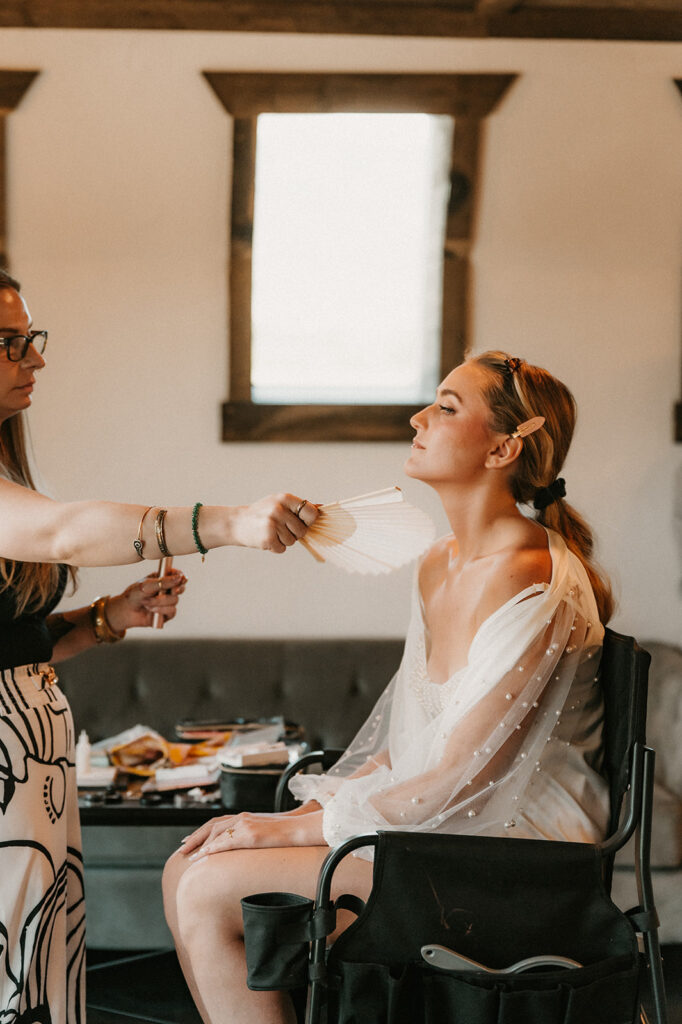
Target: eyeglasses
16 345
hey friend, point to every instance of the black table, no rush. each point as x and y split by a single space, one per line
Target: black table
132 811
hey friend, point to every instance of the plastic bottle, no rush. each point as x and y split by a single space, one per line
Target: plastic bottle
83 754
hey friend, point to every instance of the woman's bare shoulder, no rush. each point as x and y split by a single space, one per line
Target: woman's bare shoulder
518 567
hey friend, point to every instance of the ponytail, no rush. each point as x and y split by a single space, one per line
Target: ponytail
564 520
518 391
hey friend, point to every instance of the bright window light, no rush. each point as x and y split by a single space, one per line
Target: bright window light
349 228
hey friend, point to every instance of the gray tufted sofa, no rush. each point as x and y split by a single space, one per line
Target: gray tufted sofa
329 686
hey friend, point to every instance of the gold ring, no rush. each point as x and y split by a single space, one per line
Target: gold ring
304 502
230 832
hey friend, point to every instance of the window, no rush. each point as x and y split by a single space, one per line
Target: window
347 258
13 85
351 223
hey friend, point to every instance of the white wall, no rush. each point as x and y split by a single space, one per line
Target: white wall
118 185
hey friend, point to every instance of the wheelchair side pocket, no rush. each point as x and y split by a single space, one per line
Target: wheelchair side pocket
365 993
276 940
605 991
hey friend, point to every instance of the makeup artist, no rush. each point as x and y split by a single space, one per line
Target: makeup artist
42 919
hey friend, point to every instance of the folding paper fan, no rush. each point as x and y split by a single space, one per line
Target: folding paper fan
373 533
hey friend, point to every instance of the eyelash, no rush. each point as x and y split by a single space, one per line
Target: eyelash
448 409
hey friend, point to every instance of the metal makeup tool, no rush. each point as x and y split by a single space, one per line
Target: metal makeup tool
447 960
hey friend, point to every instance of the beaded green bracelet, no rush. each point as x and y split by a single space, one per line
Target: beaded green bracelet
195 531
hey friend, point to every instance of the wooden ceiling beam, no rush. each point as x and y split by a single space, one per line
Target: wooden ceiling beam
484 8
652 20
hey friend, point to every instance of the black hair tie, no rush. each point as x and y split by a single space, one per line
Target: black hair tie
545 496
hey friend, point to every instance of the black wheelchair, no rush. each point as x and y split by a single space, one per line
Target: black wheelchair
484 930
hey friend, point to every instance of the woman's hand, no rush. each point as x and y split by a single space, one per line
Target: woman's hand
141 601
248 831
273 523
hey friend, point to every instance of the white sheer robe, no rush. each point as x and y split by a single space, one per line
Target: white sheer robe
509 745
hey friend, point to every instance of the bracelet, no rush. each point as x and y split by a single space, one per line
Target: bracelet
138 543
160 533
101 627
195 531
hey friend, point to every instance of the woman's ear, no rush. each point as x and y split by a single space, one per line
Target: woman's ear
506 453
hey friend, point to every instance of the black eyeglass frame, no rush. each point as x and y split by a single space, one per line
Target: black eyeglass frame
33 338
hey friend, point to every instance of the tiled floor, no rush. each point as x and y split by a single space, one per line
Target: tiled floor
149 988
144 987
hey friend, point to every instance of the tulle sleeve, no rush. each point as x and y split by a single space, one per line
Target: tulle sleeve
467 755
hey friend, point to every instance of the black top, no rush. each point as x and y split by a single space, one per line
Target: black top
27 640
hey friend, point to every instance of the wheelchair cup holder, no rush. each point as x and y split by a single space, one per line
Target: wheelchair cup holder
276 939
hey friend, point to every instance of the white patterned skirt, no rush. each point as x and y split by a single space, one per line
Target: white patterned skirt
42 907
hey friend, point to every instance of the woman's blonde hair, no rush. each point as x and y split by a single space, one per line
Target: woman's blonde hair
33 583
516 392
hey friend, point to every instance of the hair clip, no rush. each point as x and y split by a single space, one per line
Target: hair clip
513 364
529 427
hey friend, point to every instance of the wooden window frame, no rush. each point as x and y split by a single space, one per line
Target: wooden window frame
468 98
677 413
13 86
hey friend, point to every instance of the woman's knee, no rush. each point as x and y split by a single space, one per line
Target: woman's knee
173 871
207 897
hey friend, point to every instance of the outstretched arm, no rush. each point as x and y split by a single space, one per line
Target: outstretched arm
92 533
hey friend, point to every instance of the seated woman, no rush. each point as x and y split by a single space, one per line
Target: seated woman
492 724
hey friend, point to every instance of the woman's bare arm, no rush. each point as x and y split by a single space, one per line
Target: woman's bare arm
138 605
34 528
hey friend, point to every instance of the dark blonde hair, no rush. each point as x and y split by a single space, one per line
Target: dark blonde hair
516 392
33 583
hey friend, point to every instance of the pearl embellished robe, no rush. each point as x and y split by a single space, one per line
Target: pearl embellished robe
533 674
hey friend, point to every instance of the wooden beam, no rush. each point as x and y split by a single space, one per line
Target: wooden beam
246 421
13 86
654 20
457 95
364 17
601 23
484 8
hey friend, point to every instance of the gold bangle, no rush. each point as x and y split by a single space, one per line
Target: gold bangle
101 626
138 543
161 533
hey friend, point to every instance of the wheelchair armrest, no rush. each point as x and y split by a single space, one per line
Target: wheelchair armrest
326 758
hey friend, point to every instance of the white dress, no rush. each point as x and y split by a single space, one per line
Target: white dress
530 689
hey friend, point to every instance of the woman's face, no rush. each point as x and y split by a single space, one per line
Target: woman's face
453 436
16 379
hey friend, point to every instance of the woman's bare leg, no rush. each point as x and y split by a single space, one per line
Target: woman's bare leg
172 874
203 909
